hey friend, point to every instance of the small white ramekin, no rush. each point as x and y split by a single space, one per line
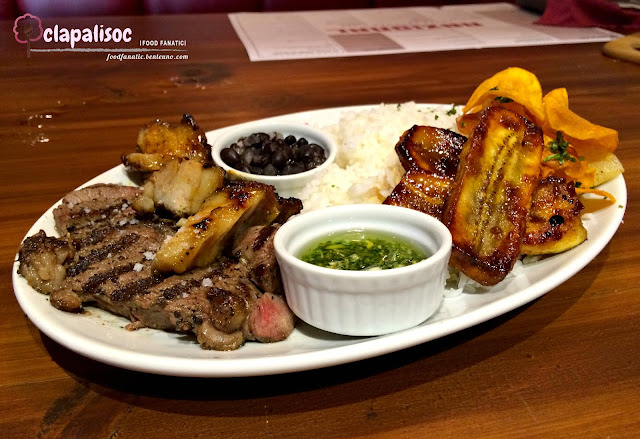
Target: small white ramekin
286 185
363 303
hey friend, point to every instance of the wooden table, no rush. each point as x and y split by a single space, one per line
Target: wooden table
566 365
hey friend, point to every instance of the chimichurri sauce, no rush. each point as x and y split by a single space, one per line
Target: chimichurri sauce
363 250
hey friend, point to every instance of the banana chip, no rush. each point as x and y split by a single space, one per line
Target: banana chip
512 85
591 141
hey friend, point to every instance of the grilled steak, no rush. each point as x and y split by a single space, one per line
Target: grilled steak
41 261
98 203
108 261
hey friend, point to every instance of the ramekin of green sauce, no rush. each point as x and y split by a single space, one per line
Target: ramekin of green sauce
363 269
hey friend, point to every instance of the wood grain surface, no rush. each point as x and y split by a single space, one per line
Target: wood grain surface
566 365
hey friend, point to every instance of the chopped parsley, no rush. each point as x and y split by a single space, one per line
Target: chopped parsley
453 111
578 184
560 149
503 99
494 88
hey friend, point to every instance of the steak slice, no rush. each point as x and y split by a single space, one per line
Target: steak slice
113 263
95 204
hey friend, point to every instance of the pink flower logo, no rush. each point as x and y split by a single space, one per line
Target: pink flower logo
27 28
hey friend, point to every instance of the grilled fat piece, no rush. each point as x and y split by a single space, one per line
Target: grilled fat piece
554 224
487 208
222 217
179 187
160 142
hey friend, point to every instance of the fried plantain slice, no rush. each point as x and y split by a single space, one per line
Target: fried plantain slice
554 224
429 148
421 190
486 211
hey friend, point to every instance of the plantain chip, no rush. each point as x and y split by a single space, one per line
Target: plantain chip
590 141
606 169
512 85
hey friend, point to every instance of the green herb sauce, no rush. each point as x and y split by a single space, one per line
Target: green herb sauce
363 250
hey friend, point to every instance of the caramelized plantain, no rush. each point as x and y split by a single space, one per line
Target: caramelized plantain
421 190
429 148
487 208
554 224
223 216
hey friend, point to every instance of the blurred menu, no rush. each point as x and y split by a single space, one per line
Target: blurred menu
354 32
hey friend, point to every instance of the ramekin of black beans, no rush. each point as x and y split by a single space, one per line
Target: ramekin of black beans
273 154
286 155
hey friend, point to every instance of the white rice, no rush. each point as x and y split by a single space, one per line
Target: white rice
367 168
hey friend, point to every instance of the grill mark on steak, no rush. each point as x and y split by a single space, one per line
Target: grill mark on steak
92 238
180 289
262 238
99 254
137 287
92 286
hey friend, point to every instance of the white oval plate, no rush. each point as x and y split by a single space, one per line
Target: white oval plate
101 336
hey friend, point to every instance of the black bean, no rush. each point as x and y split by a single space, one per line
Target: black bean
270 147
317 161
229 156
295 153
244 168
252 139
296 168
247 156
290 140
279 159
286 170
305 153
237 148
270 170
301 141
317 150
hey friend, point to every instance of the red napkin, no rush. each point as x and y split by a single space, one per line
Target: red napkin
591 13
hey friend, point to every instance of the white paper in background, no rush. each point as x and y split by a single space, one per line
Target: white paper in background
354 32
